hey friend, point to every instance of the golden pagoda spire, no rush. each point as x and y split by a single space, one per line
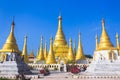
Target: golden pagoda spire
24 52
104 40
41 54
96 42
74 49
51 56
10 44
117 41
80 54
45 51
37 53
31 54
59 38
70 52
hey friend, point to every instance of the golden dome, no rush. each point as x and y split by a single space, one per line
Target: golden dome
105 42
59 38
80 54
10 44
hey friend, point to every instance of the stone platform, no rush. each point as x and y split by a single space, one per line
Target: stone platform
14 67
104 67
55 75
80 76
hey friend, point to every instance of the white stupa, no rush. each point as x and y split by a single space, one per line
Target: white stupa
106 59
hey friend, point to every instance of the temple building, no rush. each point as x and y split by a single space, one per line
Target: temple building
61 51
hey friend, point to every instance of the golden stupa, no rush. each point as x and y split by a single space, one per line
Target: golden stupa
51 56
60 46
70 52
40 55
10 44
80 54
105 43
24 52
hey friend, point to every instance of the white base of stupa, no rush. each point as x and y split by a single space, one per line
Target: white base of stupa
104 68
13 67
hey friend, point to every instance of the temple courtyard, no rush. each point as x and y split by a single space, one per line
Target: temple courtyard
81 76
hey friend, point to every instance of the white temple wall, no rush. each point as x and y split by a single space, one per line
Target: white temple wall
104 54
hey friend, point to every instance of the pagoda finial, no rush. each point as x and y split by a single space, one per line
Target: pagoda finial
45 51
70 42
41 54
80 54
24 52
12 25
51 56
96 41
41 41
60 16
74 48
37 53
103 23
70 52
117 41
60 22
79 35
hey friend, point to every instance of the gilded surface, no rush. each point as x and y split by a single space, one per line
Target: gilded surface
24 52
80 54
51 56
60 46
105 42
70 53
10 44
40 55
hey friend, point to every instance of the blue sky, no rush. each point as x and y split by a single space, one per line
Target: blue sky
40 17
